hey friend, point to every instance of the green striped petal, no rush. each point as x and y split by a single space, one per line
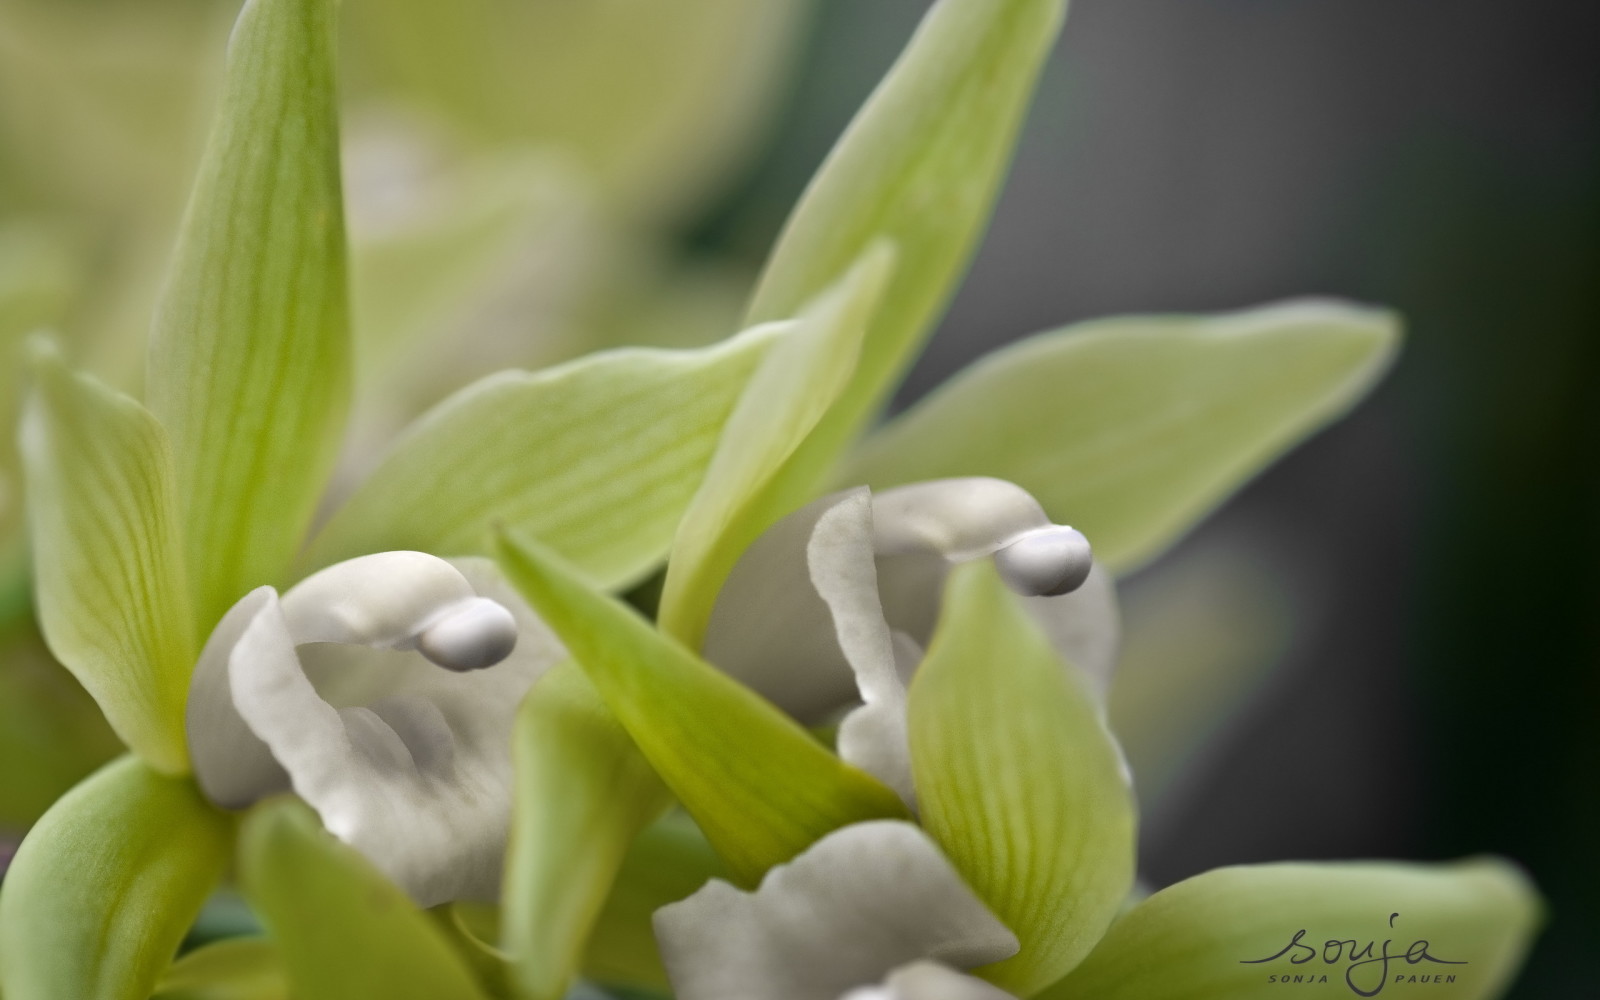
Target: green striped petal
250 356
108 562
1133 429
745 490
1018 779
1255 931
107 883
597 459
920 166
759 786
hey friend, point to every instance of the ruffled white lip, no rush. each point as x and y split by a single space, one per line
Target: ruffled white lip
873 903
835 603
381 690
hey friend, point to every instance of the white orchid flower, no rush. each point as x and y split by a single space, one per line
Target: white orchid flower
835 603
873 911
381 690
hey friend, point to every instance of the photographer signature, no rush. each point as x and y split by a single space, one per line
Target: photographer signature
1361 963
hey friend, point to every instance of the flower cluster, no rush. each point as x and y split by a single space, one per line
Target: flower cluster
661 669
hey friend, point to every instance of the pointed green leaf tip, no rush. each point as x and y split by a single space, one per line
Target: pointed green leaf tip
108 565
250 353
745 490
759 786
919 166
106 885
1132 429
1019 780
1203 938
597 459
341 928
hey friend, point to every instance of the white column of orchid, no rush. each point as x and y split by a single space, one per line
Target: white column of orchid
382 690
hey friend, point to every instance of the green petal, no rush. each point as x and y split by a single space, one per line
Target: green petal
920 165
1204 938
759 786
670 861
598 459
104 887
1133 429
250 357
583 792
246 968
744 490
1019 781
108 564
342 929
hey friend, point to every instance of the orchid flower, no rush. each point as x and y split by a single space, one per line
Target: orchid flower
974 824
836 602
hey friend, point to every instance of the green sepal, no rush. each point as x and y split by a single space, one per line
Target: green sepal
105 886
1205 938
249 366
109 581
242 968
1019 780
597 458
759 786
1133 429
920 166
342 929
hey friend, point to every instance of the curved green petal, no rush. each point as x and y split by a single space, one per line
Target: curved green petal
1133 429
107 883
745 490
246 968
343 930
1215 935
670 861
250 352
108 564
1019 781
759 786
597 459
920 165
583 792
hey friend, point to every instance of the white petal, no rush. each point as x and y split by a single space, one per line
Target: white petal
774 629
799 621
234 768
407 762
860 903
929 981
960 519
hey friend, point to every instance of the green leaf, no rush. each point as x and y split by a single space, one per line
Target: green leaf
670 861
250 356
759 786
583 792
108 563
104 887
1203 938
920 165
1018 779
1133 429
245 968
598 459
342 928
744 490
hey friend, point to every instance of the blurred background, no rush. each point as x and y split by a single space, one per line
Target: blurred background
1388 645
